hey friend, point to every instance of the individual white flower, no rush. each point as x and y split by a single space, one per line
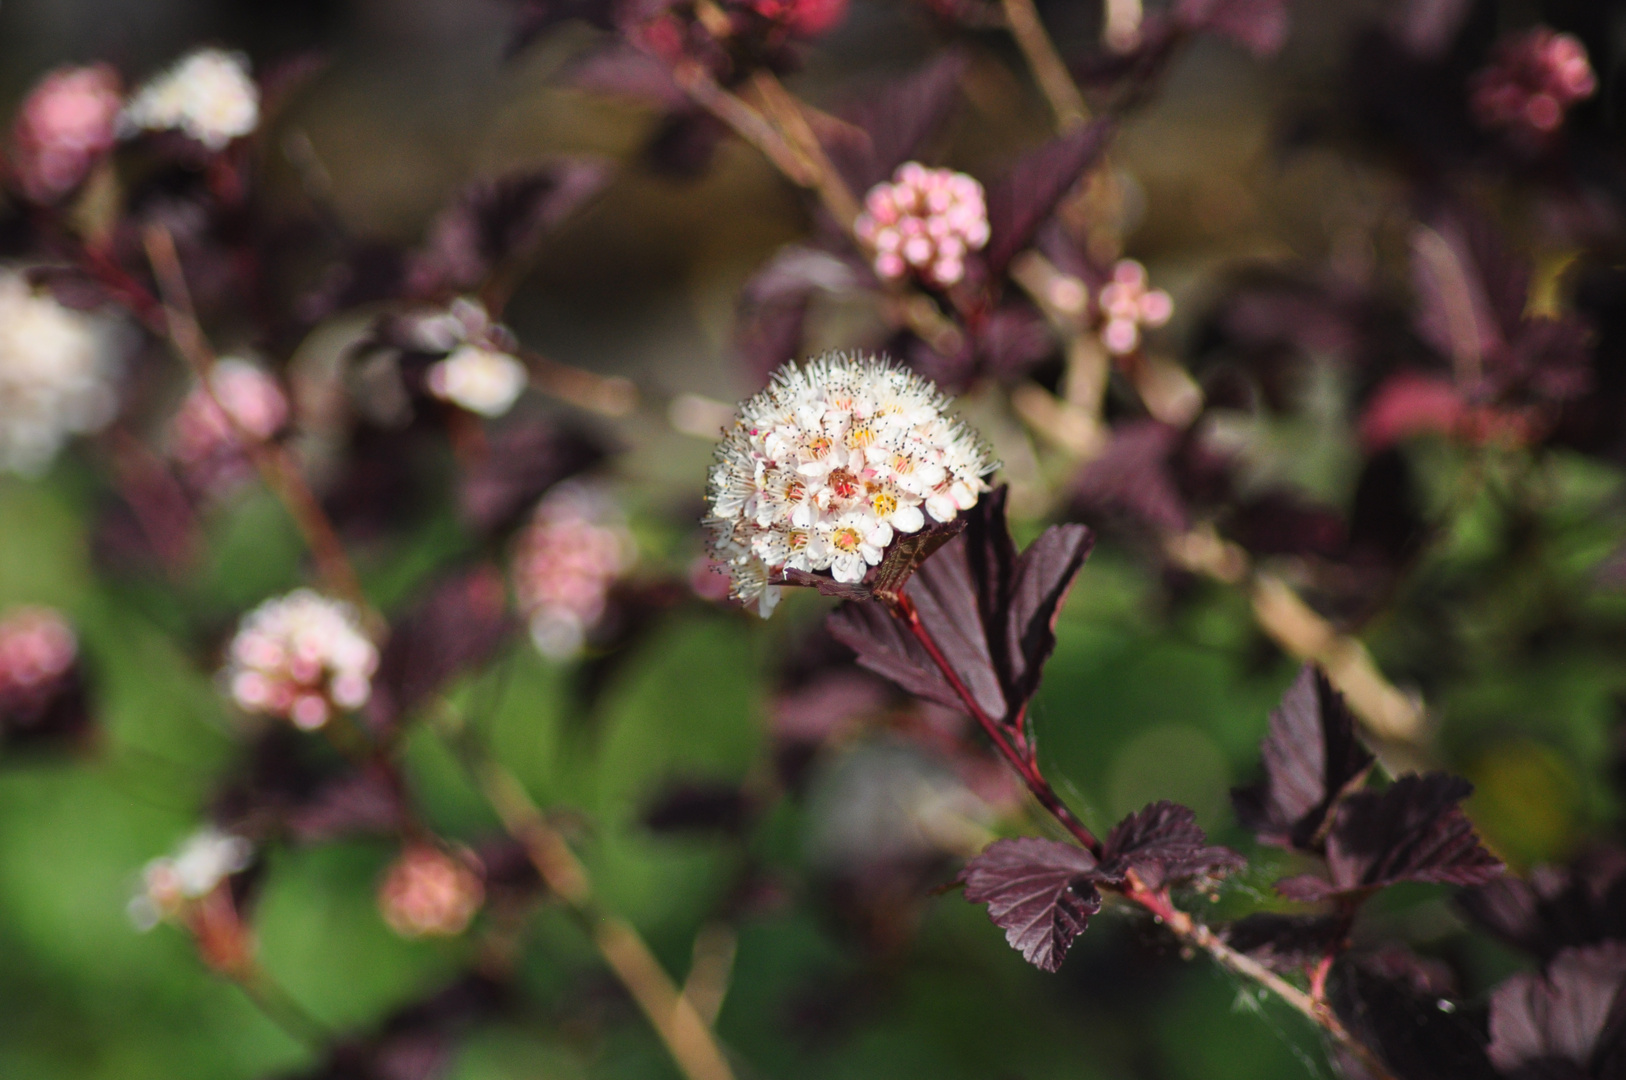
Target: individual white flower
169 883
565 562
57 372
1127 305
207 95
925 221
301 656
831 461
479 379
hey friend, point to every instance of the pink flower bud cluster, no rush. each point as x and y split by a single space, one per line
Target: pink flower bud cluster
1127 306
301 657
67 124
172 884
428 892
1531 82
565 561
806 18
37 650
203 442
925 221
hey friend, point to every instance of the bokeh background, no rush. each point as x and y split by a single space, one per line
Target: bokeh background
844 963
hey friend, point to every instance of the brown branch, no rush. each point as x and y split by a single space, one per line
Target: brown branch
672 1014
1049 71
275 465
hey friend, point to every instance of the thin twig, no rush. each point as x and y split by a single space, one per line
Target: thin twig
1049 71
673 1015
275 466
1158 903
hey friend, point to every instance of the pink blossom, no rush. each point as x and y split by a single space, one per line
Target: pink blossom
68 122
1531 82
925 221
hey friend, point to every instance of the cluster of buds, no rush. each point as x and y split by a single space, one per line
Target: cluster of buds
479 371
428 892
203 439
1128 306
924 221
68 123
565 561
828 464
207 96
38 656
1531 82
57 369
301 657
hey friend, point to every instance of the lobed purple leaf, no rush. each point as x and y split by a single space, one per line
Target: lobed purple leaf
1024 198
1163 844
1040 892
1564 1022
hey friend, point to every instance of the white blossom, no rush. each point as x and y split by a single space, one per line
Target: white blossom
565 562
57 371
171 882
207 95
301 656
479 379
828 464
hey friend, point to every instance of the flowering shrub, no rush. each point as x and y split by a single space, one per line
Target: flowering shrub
525 707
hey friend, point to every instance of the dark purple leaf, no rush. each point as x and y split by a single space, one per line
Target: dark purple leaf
523 460
1134 478
1019 202
418 1042
1012 340
1416 1035
51 714
892 124
623 71
989 611
458 626
1554 908
1287 943
1414 831
699 807
1163 844
683 143
1040 892
1311 757
494 222
1570 1016
1260 26
885 646
369 802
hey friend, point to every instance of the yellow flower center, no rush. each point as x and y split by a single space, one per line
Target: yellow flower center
884 503
861 437
846 540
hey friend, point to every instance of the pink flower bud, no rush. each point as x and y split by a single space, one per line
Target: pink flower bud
65 126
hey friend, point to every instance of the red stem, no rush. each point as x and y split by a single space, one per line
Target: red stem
1025 765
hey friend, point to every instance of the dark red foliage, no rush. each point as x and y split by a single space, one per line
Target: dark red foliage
1311 759
1554 908
991 611
1565 1023
891 124
1413 831
1021 200
1040 892
1163 845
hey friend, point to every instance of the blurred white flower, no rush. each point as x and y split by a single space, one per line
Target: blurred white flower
171 882
301 657
207 95
479 379
830 462
428 892
57 371
201 438
565 562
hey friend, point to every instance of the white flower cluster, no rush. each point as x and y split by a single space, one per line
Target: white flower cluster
925 220
36 647
478 374
57 369
565 561
300 657
201 438
1127 305
208 95
827 464
170 883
